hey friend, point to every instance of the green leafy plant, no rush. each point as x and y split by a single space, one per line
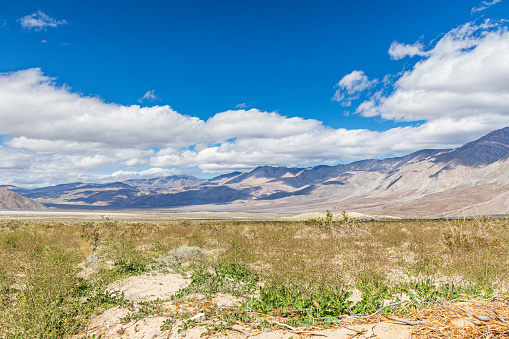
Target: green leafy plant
234 279
287 300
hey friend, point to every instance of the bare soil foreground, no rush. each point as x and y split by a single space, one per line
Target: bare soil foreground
450 319
112 275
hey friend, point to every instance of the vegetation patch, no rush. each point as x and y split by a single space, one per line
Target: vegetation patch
301 273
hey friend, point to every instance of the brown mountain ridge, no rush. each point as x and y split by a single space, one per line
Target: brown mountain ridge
14 201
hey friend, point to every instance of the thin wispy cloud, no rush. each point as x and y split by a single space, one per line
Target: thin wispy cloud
39 21
399 51
149 96
242 105
484 5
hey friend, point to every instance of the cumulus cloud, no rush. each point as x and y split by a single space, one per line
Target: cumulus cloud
350 86
484 5
15 159
327 146
150 96
256 124
399 51
34 107
39 21
464 75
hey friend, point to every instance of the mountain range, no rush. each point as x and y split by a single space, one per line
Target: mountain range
472 179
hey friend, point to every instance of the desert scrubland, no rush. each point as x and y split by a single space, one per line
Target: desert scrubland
327 275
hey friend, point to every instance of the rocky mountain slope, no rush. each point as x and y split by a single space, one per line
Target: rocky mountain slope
472 179
13 201
165 182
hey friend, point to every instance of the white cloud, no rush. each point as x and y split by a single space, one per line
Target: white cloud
150 96
459 92
170 157
484 5
464 75
34 107
349 87
145 174
328 145
242 105
15 159
256 124
39 21
49 146
399 51
43 41
354 82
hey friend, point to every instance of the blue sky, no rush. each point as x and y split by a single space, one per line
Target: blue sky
99 91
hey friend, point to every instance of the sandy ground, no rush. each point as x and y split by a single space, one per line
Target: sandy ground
147 287
137 215
446 320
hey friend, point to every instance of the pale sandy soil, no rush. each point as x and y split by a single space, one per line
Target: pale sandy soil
448 318
335 216
138 215
147 287
69 213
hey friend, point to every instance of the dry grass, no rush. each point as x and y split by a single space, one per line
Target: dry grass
43 296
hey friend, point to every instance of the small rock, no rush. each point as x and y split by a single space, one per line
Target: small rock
198 317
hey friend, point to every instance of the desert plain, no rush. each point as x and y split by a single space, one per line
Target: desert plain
170 274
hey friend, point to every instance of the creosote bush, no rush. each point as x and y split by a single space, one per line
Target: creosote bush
467 235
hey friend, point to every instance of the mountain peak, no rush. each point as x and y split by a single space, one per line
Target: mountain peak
164 182
486 150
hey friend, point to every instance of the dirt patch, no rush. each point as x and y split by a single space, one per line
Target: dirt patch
453 320
226 300
115 323
110 325
380 330
147 287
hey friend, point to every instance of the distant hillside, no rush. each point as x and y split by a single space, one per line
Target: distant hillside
13 201
472 179
165 182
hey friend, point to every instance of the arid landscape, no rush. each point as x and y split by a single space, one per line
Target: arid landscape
258 254
342 275
254 169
